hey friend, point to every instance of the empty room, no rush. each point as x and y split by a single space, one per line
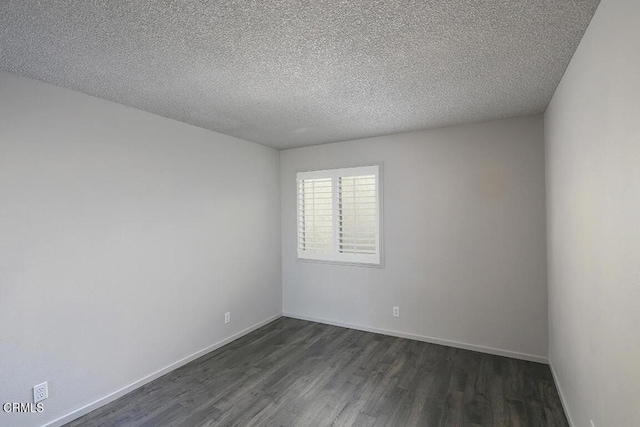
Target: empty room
323 213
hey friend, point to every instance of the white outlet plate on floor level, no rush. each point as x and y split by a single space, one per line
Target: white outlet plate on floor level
40 392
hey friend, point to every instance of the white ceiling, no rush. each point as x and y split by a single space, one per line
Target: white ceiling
289 73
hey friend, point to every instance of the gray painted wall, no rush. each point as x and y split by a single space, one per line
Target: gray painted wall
124 237
592 132
464 236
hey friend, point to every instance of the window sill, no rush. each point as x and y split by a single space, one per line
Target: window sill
343 263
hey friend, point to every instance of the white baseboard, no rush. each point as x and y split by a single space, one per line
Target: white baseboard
124 390
465 346
562 399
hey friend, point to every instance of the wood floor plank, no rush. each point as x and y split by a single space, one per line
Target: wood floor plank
298 373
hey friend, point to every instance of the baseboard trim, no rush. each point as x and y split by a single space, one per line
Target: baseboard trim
157 374
432 340
561 394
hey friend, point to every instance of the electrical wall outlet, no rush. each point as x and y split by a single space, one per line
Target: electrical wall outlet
227 317
40 392
396 311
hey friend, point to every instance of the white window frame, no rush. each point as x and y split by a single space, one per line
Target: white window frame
335 256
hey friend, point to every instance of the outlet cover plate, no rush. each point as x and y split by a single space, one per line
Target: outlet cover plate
40 392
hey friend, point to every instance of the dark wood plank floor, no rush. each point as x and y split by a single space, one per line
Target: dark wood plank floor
298 373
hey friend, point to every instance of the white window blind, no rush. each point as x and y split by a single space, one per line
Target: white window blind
315 215
339 215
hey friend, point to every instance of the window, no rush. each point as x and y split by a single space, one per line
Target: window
339 215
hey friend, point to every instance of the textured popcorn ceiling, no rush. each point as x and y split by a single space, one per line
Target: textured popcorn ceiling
289 73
